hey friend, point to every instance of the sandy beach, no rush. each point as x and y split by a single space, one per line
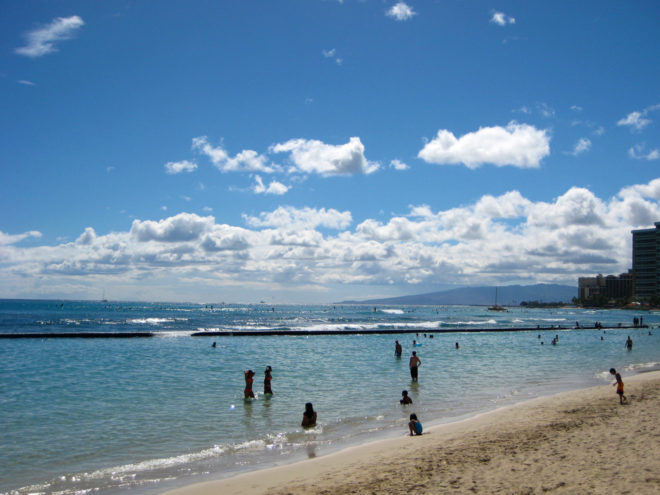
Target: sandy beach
582 442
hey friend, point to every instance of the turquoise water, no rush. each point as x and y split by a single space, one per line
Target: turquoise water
145 415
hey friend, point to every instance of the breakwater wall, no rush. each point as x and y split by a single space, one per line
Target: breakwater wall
290 332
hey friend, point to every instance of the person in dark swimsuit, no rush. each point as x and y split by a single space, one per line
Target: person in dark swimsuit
267 380
309 416
249 394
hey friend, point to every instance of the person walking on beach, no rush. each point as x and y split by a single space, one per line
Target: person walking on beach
619 386
267 379
398 350
414 364
249 394
309 416
405 399
415 425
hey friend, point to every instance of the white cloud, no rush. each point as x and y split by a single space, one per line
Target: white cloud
576 108
178 167
331 53
401 12
638 152
25 83
245 161
398 165
582 145
42 41
501 19
493 240
273 188
6 239
312 156
518 145
637 120
290 218
182 227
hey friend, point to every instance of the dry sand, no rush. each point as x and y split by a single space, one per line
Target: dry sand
580 442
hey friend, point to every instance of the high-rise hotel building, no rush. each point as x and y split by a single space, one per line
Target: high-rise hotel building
646 262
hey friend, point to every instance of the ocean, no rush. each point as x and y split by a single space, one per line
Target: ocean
143 415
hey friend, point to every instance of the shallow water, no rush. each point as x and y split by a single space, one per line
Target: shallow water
118 415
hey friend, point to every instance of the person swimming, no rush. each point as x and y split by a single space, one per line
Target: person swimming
309 416
405 399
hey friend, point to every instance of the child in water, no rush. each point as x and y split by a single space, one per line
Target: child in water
405 399
415 426
309 416
249 394
267 380
619 386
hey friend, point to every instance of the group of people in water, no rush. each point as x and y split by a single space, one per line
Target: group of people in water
249 380
414 425
309 415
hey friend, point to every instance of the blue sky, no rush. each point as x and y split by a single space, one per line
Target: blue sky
318 150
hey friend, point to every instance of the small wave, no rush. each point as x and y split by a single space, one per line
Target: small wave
392 311
642 366
150 321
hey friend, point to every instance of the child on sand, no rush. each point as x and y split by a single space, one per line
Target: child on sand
415 426
619 386
405 399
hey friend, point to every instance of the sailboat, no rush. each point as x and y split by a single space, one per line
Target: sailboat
496 307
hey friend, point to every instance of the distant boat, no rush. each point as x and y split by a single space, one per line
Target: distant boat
103 299
496 307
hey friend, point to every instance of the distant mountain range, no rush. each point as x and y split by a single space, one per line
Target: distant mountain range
508 295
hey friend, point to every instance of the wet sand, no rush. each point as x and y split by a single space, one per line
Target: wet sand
580 442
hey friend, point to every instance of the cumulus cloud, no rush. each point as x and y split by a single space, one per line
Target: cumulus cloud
182 227
288 217
178 167
501 19
518 145
245 161
6 239
401 12
582 145
500 239
638 120
398 165
273 188
42 41
638 152
312 156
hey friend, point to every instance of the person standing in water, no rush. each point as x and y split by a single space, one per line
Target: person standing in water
629 343
249 394
309 416
414 364
267 379
398 350
619 386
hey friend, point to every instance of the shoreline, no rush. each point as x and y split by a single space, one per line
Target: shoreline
576 441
